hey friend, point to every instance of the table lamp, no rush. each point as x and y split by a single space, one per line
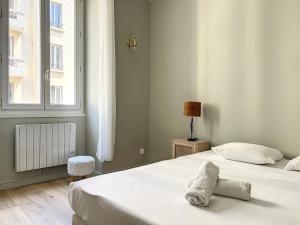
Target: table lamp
192 109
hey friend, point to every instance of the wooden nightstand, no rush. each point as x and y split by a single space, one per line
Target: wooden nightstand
181 147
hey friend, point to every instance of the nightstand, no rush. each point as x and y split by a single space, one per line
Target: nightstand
182 147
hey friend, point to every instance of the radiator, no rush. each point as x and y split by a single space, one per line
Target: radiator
44 145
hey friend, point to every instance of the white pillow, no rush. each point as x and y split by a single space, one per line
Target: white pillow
294 164
250 153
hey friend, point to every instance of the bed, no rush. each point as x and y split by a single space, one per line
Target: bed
154 194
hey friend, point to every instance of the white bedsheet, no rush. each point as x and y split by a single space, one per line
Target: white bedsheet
154 194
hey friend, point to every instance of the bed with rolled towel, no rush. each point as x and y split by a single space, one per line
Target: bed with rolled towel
202 188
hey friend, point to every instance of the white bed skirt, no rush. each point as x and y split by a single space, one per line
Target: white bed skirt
77 220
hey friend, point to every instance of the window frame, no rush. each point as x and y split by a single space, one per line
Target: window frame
5 64
78 59
44 107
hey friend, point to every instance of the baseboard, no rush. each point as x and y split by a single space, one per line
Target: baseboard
33 180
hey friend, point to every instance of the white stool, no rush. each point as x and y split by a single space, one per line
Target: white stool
80 166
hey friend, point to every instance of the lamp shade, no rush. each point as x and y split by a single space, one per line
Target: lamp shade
192 109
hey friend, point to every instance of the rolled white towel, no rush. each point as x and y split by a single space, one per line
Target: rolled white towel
201 189
233 189
230 188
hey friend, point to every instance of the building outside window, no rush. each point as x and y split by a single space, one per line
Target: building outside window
11 46
11 91
28 87
56 57
56 95
56 15
12 4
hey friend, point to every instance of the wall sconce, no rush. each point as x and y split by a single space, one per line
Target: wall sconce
132 42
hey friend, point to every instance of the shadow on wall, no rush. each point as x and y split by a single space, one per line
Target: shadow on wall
239 58
211 120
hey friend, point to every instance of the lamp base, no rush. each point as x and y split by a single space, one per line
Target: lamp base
192 139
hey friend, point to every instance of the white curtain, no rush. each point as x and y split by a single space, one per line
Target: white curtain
107 81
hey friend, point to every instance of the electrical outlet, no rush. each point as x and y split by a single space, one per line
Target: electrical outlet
142 151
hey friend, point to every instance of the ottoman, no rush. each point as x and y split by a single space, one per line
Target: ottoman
80 166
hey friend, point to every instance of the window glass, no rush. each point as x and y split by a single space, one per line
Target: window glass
11 46
62 52
24 52
11 88
56 15
41 68
56 57
56 95
12 4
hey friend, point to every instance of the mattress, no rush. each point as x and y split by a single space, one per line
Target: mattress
154 194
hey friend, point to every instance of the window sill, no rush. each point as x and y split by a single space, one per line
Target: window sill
57 29
52 70
39 114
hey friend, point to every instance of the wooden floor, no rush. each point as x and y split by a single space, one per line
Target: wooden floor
39 204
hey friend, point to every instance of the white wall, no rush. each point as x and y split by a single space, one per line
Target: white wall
240 58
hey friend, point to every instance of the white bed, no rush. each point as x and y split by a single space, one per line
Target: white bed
154 194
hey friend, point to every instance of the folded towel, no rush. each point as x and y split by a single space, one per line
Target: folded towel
233 189
201 189
230 188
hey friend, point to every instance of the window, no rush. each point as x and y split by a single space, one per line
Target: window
25 65
11 46
11 92
12 4
56 95
62 51
56 15
41 67
56 57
